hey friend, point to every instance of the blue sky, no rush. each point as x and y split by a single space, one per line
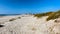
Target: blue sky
28 6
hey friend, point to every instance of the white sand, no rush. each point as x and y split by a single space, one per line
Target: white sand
28 25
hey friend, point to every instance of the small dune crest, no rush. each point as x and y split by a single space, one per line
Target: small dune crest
51 15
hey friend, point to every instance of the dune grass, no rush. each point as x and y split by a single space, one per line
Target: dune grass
51 15
14 18
42 14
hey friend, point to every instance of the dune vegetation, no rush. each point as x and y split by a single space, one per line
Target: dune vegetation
51 15
14 19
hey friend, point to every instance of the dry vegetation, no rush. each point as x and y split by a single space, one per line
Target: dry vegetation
51 15
14 19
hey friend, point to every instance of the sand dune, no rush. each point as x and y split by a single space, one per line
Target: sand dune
28 24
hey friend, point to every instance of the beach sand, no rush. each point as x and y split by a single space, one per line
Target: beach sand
28 24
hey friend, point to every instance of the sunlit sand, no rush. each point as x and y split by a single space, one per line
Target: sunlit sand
28 24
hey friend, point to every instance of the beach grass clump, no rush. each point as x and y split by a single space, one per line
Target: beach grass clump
42 14
19 17
51 15
12 19
54 15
